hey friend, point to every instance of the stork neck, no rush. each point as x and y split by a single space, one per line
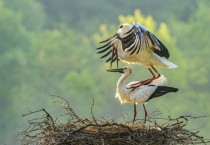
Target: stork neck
122 79
122 92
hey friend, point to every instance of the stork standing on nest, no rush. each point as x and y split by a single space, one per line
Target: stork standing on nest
148 90
136 44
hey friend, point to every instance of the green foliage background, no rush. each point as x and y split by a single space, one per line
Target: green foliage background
48 46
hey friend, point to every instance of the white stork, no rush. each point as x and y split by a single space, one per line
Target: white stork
136 44
148 89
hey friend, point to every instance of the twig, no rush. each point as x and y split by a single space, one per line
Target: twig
92 112
68 108
32 112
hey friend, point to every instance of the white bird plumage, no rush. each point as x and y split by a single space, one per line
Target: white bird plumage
136 44
148 89
140 94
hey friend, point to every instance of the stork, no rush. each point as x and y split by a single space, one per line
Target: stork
148 90
136 44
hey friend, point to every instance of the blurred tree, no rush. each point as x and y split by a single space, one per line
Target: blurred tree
31 12
47 47
193 41
13 34
13 42
85 15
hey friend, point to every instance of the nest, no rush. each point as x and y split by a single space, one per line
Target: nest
76 131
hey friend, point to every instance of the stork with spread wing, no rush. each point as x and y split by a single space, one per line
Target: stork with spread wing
136 44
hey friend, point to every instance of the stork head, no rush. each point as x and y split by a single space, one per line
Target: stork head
124 70
124 28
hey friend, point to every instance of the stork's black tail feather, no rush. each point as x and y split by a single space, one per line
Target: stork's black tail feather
162 90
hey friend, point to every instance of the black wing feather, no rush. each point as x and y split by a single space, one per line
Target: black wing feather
164 51
134 50
162 90
153 39
108 39
104 45
104 50
106 54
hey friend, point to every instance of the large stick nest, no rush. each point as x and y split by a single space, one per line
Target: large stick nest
77 131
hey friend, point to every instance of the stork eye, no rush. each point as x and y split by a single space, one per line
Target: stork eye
121 26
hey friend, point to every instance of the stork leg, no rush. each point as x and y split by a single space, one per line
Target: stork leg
152 73
138 84
145 114
134 117
134 86
154 77
156 72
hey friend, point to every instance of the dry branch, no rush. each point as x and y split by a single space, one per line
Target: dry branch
77 131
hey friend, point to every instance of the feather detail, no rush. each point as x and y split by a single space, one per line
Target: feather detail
162 90
160 81
164 61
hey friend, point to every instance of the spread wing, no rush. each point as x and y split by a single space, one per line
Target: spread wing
109 50
134 41
139 38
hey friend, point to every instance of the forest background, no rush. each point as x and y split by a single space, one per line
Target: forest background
48 47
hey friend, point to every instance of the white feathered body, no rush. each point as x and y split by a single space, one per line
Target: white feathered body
139 95
145 57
